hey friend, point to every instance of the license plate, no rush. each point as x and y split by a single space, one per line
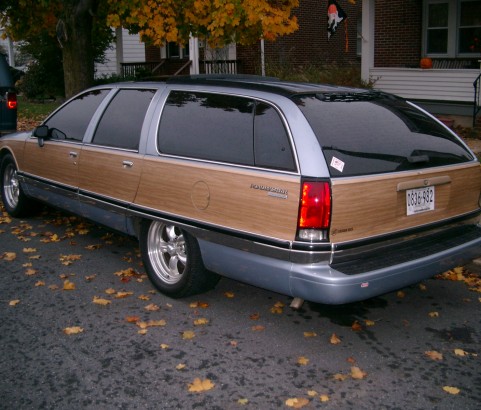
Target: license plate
420 200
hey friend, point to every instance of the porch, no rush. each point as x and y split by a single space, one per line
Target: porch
438 90
173 67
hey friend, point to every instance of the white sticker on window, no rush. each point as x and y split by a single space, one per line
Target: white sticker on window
336 163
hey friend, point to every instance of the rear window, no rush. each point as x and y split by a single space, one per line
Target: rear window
372 132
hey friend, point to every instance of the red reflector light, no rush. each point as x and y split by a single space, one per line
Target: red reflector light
11 100
315 210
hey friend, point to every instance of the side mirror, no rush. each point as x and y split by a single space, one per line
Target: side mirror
41 133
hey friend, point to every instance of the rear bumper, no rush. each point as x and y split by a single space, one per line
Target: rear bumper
322 283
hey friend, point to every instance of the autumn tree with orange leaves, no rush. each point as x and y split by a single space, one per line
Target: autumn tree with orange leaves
77 23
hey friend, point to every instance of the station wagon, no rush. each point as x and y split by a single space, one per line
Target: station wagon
324 193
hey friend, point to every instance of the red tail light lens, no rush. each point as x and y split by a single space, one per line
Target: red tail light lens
315 210
11 100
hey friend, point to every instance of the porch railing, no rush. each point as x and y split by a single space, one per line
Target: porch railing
218 66
139 69
176 67
477 98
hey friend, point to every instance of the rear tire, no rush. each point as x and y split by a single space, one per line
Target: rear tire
173 261
16 203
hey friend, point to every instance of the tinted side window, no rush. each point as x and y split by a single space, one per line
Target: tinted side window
73 119
208 126
271 141
122 121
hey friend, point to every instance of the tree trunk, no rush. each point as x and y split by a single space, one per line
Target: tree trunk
75 37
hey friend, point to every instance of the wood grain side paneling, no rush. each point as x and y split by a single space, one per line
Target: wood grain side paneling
241 199
109 172
55 161
370 206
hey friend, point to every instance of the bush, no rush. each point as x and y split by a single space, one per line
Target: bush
40 83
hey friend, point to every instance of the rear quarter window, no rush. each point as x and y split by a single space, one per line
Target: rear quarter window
208 126
373 132
225 128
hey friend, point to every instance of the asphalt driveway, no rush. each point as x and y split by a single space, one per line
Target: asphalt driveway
81 327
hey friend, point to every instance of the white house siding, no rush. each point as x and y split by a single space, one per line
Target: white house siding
127 49
429 84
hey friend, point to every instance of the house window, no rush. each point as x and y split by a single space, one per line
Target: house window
176 51
452 28
470 28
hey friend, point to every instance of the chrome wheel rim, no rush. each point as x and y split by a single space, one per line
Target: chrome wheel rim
11 187
166 250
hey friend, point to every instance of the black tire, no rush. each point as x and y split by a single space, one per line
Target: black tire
16 203
173 261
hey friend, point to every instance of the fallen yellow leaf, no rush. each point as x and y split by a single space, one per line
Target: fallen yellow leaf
164 346
278 308
434 314
101 301
203 305
302 361
258 328
310 334
242 402
180 366
93 247
14 302
73 330
110 291
340 377
369 322
254 316
297 402
334 339
29 250
122 295
201 321
229 295
144 297
9 256
312 393
400 294
199 386
432 354
356 326
188 334
324 398
422 286
158 323
30 272
460 352
132 319
451 389
39 283
152 307
67 285
357 373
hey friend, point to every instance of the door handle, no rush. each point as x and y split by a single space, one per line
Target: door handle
73 154
127 164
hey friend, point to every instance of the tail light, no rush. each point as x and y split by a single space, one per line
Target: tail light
314 211
11 100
